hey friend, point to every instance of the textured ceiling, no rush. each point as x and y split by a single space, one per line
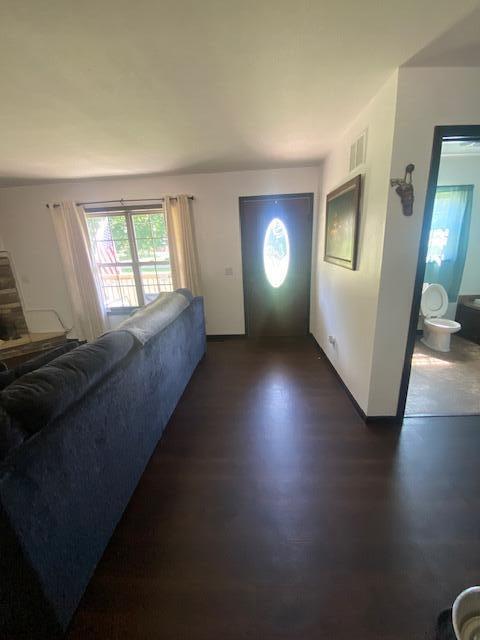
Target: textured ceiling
458 47
112 87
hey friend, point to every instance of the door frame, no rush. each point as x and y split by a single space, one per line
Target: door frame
458 132
275 196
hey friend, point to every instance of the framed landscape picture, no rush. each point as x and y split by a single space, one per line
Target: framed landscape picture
341 224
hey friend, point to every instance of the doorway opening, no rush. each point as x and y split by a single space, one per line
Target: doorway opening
442 368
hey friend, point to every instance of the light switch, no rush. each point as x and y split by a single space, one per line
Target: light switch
228 271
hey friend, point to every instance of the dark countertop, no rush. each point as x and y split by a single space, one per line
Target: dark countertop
470 305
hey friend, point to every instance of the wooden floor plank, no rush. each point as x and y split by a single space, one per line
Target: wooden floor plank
270 510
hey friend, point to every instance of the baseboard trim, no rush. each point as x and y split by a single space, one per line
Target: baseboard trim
393 420
327 360
367 419
220 337
390 420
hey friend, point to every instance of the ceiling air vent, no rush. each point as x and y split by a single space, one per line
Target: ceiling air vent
358 151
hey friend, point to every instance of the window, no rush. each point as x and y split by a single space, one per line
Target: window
276 253
448 241
130 248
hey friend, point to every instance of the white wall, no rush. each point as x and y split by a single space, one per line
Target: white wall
344 302
426 98
367 310
27 232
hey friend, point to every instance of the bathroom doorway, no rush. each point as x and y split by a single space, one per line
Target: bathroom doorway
442 368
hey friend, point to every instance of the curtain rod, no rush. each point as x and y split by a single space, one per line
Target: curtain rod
121 201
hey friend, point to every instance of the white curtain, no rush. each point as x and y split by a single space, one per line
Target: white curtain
181 240
80 271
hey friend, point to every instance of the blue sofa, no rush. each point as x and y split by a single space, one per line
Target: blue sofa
84 427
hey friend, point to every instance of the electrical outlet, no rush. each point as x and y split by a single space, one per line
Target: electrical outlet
332 340
228 271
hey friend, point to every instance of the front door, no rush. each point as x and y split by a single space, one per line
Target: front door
276 254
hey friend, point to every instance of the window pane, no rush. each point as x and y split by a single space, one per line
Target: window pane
276 253
159 226
129 291
122 251
151 237
93 224
118 287
118 227
145 249
150 225
155 279
109 238
96 229
141 225
160 246
111 287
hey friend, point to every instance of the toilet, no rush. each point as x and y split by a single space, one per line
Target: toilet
436 329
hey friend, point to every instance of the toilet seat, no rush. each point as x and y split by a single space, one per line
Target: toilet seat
434 302
443 323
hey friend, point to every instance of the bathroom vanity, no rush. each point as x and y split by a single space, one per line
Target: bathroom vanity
468 315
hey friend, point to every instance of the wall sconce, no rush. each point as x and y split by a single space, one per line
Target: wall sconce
404 188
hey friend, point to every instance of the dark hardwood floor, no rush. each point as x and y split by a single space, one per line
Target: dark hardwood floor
269 510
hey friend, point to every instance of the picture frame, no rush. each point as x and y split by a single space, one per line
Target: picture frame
341 224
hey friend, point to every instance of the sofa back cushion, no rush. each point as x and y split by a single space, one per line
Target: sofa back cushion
148 321
185 292
11 434
40 396
9 375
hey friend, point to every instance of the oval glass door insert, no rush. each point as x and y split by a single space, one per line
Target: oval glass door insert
276 253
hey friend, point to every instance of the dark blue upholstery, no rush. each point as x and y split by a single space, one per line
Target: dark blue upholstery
41 395
63 490
11 433
186 292
7 376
